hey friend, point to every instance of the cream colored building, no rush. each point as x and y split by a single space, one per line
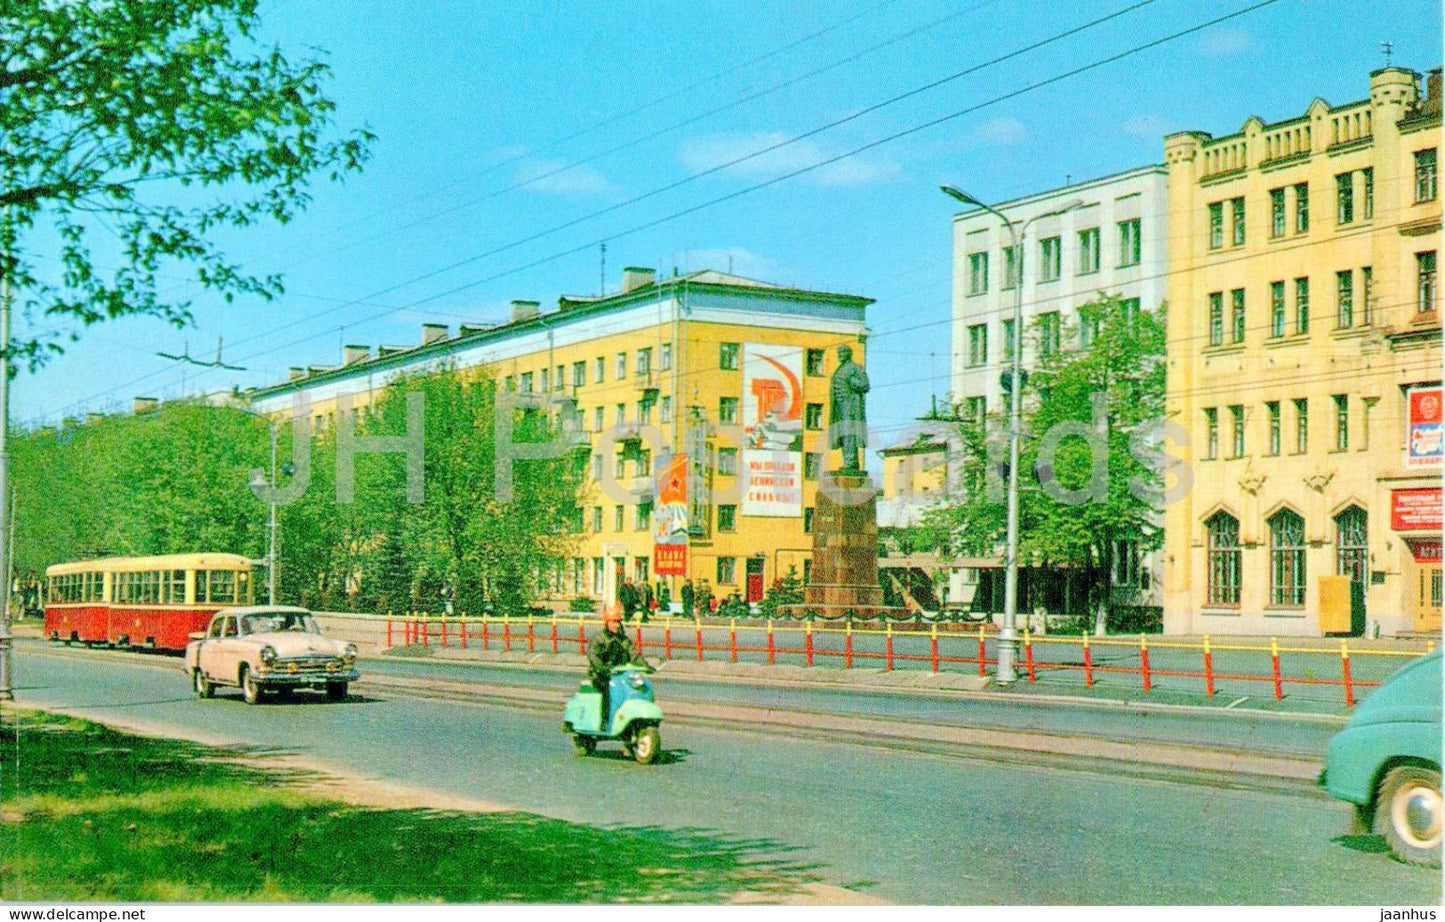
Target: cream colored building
1304 326
672 365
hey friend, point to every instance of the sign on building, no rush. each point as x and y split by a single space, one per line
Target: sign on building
1415 510
1423 446
772 418
669 519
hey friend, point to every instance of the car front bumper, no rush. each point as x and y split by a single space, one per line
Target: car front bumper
285 679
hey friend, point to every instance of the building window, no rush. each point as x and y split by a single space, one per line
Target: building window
1425 281
622 414
1211 433
1088 250
621 369
1352 544
727 356
977 345
526 382
1345 195
808 520
1286 559
727 461
599 369
1008 335
664 410
664 357
643 520
597 519
727 517
1089 322
597 422
644 412
1301 426
1368 176
1130 245
727 570
617 512
1050 259
619 467
510 384
1049 333
544 379
1276 213
815 363
1345 299
977 274
811 464
1301 207
1276 309
1236 420
1367 294
1425 177
727 410
1236 315
1010 267
1224 559
813 416
579 374
1216 318
1237 211
597 468
1216 225
1342 422
1274 423
644 361
975 409
1302 305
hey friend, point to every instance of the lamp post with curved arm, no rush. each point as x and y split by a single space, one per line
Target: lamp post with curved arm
1008 634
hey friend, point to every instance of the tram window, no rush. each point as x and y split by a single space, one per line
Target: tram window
176 594
221 586
243 588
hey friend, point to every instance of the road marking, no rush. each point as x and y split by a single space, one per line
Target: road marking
1236 701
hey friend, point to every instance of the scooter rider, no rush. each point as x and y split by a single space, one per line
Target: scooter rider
608 649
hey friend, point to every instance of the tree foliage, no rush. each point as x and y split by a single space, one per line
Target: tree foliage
1114 388
134 131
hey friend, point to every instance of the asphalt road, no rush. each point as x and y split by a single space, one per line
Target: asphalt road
907 827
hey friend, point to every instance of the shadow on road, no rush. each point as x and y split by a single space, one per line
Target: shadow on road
1374 845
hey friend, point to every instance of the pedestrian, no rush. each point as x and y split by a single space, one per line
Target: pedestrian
646 603
627 598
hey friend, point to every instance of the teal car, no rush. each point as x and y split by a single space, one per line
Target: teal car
1386 761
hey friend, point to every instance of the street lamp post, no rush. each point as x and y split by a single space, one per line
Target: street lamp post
271 485
1008 634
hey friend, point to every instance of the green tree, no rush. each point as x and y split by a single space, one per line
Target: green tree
1114 389
134 131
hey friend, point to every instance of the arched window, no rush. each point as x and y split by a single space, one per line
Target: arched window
1352 544
1286 559
1224 559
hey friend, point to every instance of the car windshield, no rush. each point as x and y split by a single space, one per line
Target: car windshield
268 622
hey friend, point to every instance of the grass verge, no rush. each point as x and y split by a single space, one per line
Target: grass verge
92 813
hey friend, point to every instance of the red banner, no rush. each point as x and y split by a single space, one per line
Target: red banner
1415 510
669 525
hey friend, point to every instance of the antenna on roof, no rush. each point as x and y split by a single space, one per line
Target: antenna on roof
1388 48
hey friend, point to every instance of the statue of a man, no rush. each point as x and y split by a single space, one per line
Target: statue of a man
847 424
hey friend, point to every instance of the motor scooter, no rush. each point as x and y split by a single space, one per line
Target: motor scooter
634 719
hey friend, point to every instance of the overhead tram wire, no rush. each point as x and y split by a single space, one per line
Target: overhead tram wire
1260 4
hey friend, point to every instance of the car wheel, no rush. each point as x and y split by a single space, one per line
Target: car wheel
336 691
583 745
250 688
1407 814
204 688
646 745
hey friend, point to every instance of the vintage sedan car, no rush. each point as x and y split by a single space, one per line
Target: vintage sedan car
1386 761
268 648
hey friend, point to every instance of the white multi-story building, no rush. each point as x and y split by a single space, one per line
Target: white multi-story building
1112 240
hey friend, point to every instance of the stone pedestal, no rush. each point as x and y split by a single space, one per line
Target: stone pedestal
844 578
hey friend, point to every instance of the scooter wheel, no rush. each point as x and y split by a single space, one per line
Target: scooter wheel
646 745
583 745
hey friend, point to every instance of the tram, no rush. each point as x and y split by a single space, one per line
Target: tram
142 601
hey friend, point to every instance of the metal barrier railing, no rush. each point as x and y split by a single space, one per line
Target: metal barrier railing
813 643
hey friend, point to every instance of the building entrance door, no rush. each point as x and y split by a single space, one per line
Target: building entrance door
755 579
1424 583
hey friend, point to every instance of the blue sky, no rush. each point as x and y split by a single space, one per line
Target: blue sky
479 107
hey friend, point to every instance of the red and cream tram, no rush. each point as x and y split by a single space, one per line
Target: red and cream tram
143 601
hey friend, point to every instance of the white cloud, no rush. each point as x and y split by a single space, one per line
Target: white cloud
1004 131
720 150
555 177
1147 125
1226 42
737 260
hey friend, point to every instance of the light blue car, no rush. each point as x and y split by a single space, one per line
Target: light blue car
1386 761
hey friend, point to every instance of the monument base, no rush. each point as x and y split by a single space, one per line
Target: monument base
844 577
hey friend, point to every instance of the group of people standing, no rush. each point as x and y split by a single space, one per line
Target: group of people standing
641 600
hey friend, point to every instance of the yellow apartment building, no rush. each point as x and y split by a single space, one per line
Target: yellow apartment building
1304 364
731 372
